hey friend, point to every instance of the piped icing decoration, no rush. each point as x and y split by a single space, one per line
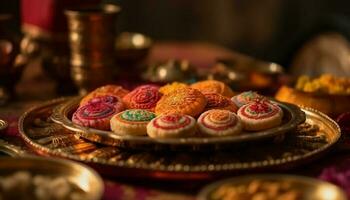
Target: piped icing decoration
172 121
186 101
171 125
137 115
245 98
111 100
143 97
260 115
94 115
219 123
131 122
259 109
213 86
217 101
110 90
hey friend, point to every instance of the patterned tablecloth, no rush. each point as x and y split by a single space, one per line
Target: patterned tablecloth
34 88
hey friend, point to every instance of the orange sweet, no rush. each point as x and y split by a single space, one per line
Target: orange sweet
217 101
187 101
172 87
213 86
111 90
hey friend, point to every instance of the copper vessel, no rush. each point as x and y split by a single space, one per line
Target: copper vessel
91 36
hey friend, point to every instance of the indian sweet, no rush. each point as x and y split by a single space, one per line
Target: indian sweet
172 126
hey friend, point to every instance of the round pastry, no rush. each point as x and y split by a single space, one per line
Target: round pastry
219 123
217 101
213 86
186 101
166 89
143 97
112 90
172 126
95 115
111 100
260 115
131 122
245 98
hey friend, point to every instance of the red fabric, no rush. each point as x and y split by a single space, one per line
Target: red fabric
49 14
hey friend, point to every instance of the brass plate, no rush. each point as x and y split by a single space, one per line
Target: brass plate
310 188
82 176
48 138
293 116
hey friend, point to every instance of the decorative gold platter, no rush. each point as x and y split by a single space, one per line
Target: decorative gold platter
86 179
293 116
309 187
309 141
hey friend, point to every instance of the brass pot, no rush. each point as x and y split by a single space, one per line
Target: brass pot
91 37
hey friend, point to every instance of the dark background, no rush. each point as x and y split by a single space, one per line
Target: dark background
267 29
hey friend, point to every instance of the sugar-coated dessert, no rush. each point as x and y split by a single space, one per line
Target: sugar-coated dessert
172 126
245 98
260 115
131 122
111 90
186 101
217 101
111 100
95 115
213 86
219 123
166 89
143 97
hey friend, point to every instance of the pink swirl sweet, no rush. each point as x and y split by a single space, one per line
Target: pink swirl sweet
260 115
110 100
171 125
95 115
143 97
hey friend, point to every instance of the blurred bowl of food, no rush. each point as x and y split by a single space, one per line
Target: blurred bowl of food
47 178
132 47
271 186
246 73
327 93
170 71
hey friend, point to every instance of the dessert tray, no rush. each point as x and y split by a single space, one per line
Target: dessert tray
62 114
307 142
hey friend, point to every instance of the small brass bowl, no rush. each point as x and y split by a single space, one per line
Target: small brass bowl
80 175
310 188
246 73
132 47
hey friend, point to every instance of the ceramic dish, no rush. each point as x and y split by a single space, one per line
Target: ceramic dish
293 116
309 188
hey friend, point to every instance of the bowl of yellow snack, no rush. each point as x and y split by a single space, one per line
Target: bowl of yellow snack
271 187
327 93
